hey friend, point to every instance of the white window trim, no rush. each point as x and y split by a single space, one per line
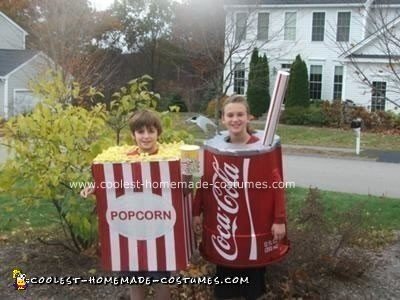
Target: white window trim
5 103
312 20
284 23
235 25
244 77
268 25
337 19
317 64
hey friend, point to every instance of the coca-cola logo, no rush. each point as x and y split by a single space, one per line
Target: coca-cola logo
226 196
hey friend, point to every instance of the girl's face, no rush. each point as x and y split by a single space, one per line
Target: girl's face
235 118
146 139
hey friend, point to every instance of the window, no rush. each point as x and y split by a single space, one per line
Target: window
290 26
318 26
286 66
262 26
343 27
378 99
238 79
315 82
338 83
241 21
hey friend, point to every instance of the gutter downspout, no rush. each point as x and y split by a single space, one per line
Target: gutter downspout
5 108
367 7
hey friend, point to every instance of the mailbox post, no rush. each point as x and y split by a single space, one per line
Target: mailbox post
356 125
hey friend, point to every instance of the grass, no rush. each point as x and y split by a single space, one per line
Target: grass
15 216
336 138
380 212
314 136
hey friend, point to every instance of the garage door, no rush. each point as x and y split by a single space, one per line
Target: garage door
24 102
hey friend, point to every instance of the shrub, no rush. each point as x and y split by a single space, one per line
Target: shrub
333 113
54 146
211 106
258 86
322 248
298 115
377 121
298 90
172 99
213 110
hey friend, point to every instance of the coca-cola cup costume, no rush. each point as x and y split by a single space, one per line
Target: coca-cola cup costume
240 200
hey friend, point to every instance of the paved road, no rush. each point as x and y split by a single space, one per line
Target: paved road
343 175
335 174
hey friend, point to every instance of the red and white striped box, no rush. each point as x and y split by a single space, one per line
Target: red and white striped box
144 218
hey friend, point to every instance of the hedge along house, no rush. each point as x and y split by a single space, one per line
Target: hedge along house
351 48
18 66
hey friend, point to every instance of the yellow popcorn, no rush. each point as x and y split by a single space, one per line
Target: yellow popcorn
119 154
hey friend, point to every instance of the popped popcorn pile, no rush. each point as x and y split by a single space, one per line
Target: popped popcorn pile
119 154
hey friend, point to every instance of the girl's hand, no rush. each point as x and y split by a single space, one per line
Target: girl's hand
86 191
278 231
197 224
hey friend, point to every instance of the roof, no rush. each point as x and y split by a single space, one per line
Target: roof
11 59
371 37
375 56
306 2
12 22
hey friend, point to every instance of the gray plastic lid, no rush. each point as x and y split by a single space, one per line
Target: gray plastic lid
218 144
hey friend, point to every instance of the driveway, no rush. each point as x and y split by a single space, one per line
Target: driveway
343 175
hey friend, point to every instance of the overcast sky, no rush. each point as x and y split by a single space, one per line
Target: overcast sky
101 4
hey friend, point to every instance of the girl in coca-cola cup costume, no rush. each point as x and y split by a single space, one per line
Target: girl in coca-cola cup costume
236 118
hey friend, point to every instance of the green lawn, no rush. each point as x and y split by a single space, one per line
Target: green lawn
330 137
380 212
15 215
313 136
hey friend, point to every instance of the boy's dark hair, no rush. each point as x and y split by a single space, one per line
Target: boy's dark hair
145 118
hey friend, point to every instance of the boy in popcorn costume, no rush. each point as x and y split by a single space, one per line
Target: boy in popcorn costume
145 126
235 117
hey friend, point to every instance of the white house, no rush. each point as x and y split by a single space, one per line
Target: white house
18 66
342 42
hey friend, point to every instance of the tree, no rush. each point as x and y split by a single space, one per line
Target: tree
207 31
127 100
53 147
265 77
144 26
258 85
67 32
298 89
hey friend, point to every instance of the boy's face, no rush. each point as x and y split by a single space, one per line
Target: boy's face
146 139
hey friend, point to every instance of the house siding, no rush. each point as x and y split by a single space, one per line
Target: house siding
22 78
1 99
361 93
326 53
376 45
11 37
375 18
